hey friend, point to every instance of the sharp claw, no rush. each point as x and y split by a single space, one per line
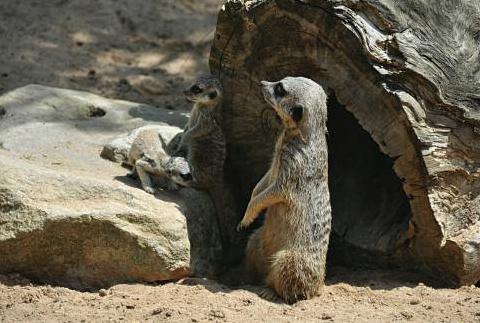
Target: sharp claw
269 295
239 227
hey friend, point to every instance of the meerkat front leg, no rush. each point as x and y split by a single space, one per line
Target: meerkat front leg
270 196
261 185
172 186
198 130
191 133
145 180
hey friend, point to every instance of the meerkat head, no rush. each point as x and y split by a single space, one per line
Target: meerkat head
298 101
206 90
178 169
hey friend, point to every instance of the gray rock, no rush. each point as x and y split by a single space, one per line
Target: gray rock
69 217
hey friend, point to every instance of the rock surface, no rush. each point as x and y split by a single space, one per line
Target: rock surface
69 217
407 71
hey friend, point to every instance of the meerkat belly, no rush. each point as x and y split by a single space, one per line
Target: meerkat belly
207 156
276 233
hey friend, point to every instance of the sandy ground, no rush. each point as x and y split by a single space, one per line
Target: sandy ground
148 51
359 296
145 51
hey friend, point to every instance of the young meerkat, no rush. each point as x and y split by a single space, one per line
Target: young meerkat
204 143
206 118
289 251
147 157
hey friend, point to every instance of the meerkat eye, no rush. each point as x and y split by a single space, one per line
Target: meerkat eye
195 89
279 90
186 177
212 95
150 161
296 113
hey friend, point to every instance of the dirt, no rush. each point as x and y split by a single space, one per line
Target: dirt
148 51
143 51
358 296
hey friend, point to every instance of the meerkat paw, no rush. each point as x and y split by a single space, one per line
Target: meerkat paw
241 226
269 295
133 175
172 186
149 189
246 221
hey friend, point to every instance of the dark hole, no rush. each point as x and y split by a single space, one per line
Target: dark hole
79 43
3 112
95 112
370 210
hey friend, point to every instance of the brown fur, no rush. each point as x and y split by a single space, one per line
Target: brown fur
289 251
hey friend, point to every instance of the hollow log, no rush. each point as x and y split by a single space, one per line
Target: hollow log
404 118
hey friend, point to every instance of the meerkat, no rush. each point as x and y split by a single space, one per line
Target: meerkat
147 157
203 142
289 251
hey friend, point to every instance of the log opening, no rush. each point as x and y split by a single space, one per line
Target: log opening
370 210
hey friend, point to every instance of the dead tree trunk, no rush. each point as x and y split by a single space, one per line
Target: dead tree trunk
404 109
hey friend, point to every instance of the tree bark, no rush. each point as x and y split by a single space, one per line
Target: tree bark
408 71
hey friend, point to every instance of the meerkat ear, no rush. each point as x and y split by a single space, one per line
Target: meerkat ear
195 89
279 90
296 113
212 95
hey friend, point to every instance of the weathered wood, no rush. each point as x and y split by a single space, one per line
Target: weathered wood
409 73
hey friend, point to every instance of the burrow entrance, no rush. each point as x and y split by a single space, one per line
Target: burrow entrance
370 210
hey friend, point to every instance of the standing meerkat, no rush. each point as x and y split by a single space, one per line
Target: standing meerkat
147 157
204 143
289 251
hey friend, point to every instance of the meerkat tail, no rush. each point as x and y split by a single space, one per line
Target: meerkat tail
219 204
263 200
